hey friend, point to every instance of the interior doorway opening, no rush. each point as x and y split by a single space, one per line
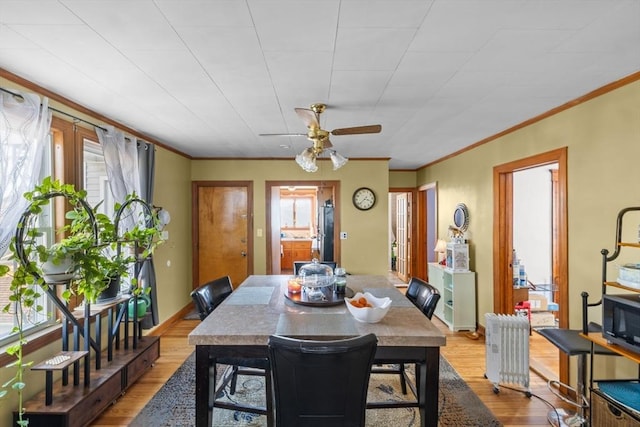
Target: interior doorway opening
302 223
505 294
402 231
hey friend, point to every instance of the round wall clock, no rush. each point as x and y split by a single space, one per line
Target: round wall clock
364 198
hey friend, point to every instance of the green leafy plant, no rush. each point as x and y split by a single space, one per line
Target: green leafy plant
140 241
24 296
90 240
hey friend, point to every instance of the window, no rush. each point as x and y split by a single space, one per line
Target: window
95 178
63 139
296 212
37 320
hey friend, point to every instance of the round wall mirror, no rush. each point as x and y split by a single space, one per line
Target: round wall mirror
461 217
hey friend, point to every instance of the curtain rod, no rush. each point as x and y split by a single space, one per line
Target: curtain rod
17 95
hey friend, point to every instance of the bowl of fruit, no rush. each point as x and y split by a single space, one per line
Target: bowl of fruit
366 308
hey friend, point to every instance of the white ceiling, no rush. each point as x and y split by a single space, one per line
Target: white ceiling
208 76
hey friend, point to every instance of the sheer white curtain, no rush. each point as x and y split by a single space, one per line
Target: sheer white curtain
121 159
25 121
130 168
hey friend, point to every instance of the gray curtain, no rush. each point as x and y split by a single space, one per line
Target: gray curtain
146 168
130 168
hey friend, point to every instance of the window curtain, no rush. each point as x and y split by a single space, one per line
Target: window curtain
25 122
130 168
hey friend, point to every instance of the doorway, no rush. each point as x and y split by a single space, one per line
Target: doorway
401 233
426 235
303 222
503 262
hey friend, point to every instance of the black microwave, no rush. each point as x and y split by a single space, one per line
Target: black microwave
621 320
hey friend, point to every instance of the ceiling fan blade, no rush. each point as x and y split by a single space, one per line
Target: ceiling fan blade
309 117
282 134
357 130
326 143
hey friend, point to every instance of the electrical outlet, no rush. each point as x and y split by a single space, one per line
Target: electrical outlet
343 235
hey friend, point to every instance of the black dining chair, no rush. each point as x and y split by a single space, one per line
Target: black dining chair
298 264
413 288
427 299
321 383
206 298
424 296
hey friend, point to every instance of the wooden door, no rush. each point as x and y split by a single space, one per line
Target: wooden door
222 242
402 227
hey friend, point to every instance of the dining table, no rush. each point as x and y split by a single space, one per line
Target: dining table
261 307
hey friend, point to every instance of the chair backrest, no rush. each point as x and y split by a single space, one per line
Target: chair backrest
427 299
321 383
413 289
298 264
208 296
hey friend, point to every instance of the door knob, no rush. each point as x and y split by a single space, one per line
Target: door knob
243 253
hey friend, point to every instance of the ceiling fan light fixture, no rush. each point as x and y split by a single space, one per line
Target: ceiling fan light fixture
307 160
337 159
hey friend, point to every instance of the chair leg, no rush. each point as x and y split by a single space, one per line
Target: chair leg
417 390
234 380
403 381
212 388
562 417
268 395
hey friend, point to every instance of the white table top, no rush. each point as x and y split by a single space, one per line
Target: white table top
258 309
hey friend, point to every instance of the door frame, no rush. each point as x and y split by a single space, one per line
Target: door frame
412 211
269 185
503 236
424 214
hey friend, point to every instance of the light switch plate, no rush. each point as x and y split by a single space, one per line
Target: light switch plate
343 235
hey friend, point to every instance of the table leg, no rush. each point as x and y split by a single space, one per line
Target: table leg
202 387
428 384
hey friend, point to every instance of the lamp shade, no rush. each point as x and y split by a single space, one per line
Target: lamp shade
338 160
307 160
441 246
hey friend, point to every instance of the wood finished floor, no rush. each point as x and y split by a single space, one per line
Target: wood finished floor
467 356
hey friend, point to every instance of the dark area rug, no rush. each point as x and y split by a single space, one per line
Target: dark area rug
174 405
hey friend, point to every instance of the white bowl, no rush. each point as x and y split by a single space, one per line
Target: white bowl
368 314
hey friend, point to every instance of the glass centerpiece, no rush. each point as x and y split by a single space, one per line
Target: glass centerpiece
315 279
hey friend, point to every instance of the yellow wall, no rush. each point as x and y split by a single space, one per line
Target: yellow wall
402 179
603 140
172 259
364 250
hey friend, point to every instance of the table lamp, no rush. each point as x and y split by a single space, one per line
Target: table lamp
440 249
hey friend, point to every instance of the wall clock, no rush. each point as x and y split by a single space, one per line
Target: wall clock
364 198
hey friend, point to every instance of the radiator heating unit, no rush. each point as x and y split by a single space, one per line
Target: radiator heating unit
507 350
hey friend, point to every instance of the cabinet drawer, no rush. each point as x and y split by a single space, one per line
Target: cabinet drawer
606 413
141 363
306 245
93 405
302 254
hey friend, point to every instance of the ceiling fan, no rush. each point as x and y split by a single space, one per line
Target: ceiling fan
320 137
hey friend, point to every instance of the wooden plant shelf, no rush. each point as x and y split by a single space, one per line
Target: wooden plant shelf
78 405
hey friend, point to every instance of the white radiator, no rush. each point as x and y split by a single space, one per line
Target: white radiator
507 350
